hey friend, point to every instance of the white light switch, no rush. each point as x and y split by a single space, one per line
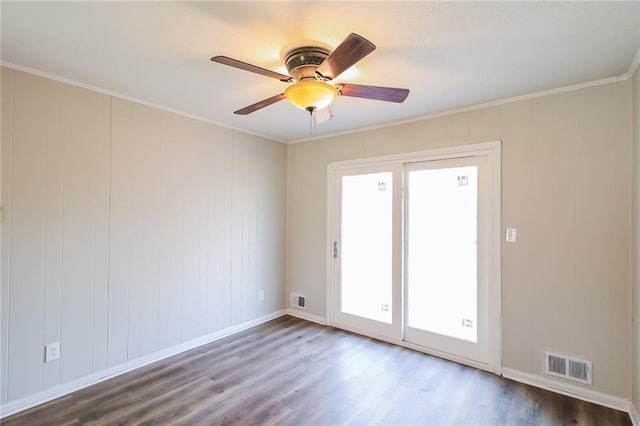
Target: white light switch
512 235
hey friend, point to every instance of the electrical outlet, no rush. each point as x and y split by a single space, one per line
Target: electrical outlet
261 295
52 352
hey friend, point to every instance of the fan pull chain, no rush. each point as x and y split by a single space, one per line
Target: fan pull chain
311 120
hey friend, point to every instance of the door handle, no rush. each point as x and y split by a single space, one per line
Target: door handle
335 249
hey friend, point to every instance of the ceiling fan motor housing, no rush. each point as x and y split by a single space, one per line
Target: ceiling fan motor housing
303 62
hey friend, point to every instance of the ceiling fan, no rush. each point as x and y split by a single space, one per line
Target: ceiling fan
311 68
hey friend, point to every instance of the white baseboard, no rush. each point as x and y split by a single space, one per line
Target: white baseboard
568 389
519 376
298 313
66 388
635 415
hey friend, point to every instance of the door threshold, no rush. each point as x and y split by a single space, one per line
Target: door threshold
443 355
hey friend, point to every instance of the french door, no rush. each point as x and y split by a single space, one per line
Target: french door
412 253
446 257
367 249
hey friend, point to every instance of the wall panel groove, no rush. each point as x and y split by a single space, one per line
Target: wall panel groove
6 161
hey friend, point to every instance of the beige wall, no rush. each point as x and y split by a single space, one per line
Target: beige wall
635 325
127 230
566 184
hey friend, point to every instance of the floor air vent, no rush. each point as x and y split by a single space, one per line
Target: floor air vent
578 370
298 300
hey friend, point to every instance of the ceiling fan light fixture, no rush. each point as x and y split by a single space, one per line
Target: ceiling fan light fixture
310 69
311 95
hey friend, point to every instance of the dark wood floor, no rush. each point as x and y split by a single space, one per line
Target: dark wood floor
290 371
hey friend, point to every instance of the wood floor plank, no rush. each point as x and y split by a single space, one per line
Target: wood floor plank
292 372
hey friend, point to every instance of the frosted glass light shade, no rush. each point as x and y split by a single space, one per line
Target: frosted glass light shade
310 95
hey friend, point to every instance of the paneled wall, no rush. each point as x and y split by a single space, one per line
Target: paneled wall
127 230
566 186
635 325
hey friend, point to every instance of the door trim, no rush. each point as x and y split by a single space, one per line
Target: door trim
493 151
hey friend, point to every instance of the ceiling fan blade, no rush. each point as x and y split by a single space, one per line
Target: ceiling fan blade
259 105
350 51
322 115
388 94
251 68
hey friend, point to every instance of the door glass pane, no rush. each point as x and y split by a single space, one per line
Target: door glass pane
367 246
442 251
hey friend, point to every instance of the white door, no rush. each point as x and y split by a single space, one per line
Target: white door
446 260
414 244
366 249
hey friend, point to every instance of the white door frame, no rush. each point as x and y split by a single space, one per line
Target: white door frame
493 152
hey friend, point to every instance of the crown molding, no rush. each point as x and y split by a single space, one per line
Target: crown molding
475 107
633 66
130 99
627 75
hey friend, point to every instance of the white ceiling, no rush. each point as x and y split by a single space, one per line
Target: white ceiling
450 54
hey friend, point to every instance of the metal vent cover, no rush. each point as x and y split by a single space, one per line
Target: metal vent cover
567 367
298 300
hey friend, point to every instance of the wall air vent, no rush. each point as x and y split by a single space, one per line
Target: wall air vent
299 301
570 368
